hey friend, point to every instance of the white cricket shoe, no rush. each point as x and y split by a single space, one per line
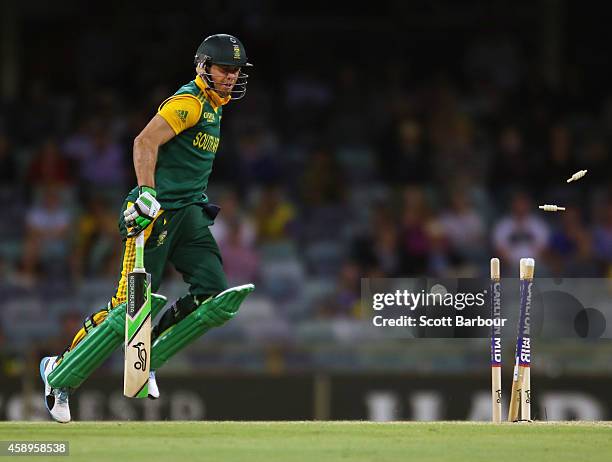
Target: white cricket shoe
153 390
56 399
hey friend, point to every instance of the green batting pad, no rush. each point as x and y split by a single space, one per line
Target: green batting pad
213 312
96 346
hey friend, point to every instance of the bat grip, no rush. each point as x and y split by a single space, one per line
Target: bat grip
139 263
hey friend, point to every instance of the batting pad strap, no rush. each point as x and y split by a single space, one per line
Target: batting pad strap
95 319
78 363
213 312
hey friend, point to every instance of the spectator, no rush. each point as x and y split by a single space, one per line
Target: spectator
455 149
95 252
406 158
240 259
565 241
583 262
258 157
322 182
49 166
464 228
386 249
273 216
100 157
369 247
232 213
520 234
415 243
511 166
345 301
47 233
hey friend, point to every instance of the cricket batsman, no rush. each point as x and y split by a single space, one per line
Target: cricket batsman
173 159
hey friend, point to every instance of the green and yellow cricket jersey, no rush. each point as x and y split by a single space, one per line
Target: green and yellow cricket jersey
185 163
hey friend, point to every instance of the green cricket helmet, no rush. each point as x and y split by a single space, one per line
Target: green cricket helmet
224 50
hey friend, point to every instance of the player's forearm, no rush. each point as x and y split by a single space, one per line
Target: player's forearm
145 158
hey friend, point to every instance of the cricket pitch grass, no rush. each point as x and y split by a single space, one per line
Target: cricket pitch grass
319 441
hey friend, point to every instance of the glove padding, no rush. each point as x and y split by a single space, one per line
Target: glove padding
142 213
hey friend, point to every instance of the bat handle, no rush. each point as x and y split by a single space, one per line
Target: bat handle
140 241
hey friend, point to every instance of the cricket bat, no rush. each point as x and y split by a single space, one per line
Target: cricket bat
137 328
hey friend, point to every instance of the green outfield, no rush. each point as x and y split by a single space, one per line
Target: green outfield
319 442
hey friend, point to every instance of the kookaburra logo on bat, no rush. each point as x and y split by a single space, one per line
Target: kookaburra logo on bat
142 357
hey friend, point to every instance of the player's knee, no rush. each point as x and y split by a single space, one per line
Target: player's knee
225 305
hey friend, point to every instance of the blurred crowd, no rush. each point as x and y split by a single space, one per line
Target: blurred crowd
329 176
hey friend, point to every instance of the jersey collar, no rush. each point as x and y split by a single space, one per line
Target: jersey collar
211 95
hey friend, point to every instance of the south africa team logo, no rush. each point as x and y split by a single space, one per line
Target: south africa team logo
162 238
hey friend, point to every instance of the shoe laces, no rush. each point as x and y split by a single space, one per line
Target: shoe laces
62 395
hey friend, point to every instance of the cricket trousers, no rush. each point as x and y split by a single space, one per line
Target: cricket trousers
180 237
